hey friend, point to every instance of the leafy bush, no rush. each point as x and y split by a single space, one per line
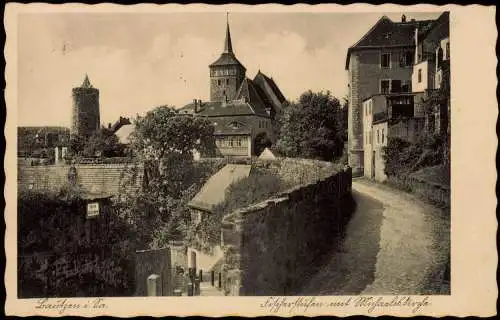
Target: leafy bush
313 127
402 157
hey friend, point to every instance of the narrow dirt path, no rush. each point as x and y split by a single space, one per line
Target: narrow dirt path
394 244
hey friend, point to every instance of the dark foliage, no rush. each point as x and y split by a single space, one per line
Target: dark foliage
313 127
54 228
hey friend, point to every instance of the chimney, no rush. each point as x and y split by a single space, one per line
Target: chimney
109 125
403 18
195 101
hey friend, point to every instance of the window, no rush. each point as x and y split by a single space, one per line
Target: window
396 86
385 86
406 86
382 135
385 61
439 56
378 136
218 82
419 75
227 81
405 59
447 50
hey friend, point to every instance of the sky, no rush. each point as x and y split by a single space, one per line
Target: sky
142 60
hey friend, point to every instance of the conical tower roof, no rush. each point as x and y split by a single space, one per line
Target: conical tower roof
227 57
86 82
228 45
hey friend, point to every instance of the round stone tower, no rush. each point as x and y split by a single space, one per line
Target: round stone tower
85 117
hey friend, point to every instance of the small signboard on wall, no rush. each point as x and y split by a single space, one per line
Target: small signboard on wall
92 210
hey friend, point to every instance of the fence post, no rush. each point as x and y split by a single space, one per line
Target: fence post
190 290
154 285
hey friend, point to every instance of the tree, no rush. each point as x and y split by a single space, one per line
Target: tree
312 127
76 144
104 143
164 141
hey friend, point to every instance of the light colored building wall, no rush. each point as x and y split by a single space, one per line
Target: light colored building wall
428 73
380 132
368 137
234 145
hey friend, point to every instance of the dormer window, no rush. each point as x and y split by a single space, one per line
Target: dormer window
236 125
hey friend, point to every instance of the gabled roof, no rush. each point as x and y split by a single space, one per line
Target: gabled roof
444 18
249 92
248 101
214 190
386 33
261 79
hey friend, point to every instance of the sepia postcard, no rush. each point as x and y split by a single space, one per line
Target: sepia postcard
246 160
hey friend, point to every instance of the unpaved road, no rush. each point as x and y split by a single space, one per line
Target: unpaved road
394 244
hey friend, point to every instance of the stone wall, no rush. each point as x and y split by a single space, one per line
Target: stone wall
271 247
109 179
170 263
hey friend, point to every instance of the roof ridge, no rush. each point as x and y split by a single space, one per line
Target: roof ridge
383 18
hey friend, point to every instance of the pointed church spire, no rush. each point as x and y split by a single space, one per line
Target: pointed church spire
86 82
228 46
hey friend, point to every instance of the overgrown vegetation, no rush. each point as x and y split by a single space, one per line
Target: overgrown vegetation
164 140
53 228
402 157
258 186
420 167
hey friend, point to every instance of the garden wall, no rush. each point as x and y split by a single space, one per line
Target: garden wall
271 247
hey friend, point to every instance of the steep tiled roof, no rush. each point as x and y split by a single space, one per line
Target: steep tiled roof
261 77
386 33
231 126
248 102
444 18
213 192
251 93
96 181
227 59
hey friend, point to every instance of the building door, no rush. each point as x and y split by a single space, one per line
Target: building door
373 164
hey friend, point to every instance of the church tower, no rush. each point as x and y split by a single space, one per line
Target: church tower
226 74
85 117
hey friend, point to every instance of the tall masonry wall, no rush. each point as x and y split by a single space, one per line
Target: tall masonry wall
271 247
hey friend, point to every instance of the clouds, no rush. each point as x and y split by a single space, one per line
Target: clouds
139 61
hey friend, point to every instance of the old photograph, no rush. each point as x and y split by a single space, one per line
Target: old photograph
225 153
